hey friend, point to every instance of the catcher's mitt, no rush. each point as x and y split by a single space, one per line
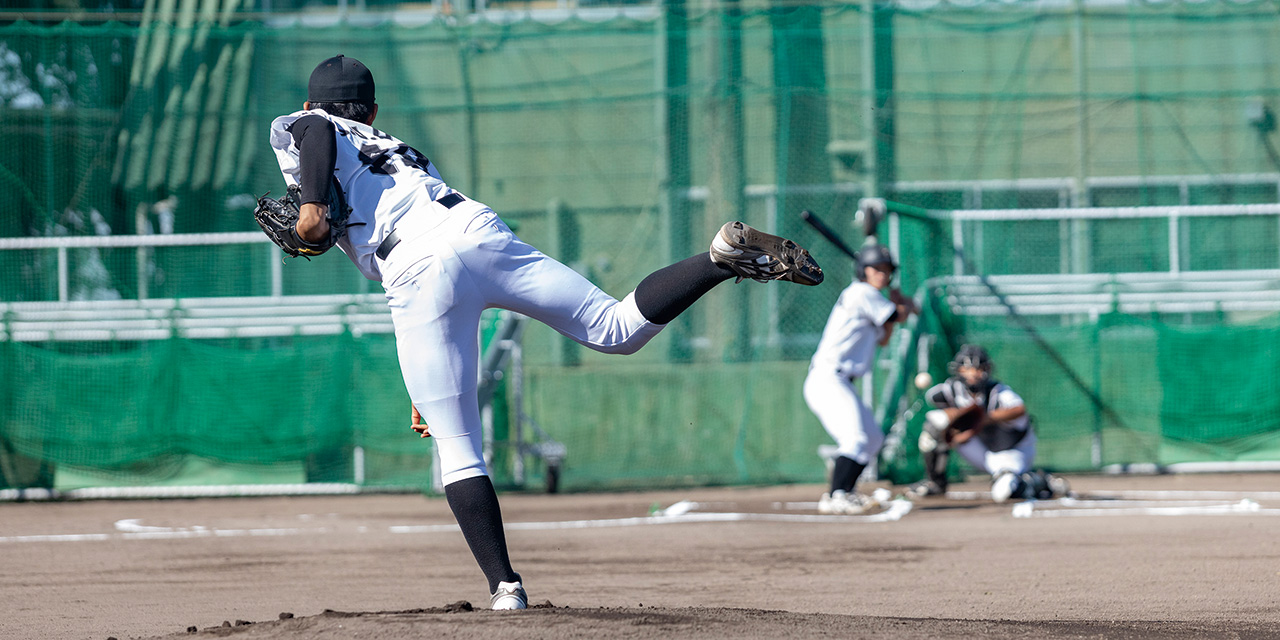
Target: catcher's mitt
964 424
279 220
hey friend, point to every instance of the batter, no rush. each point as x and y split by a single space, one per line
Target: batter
862 319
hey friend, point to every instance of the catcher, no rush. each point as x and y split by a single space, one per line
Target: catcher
987 423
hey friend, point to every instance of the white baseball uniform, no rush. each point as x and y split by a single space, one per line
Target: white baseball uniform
452 263
1006 446
845 353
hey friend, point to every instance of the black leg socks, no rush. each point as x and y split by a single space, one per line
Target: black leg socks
935 464
667 292
845 475
475 506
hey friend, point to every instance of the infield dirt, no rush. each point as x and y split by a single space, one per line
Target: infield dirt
390 567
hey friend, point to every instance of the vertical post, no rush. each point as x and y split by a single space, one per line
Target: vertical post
64 279
673 121
140 254
895 236
878 100
1175 247
802 133
565 247
517 409
277 271
486 433
801 121
726 198
1078 234
1079 187
437 478
469 110
771 294
1096 447
957 239
977 255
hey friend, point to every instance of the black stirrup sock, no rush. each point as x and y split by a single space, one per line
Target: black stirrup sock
935 464
667 292
475 506
846 473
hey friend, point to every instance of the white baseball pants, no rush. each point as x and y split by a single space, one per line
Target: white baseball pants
455 264
833 398
1018 459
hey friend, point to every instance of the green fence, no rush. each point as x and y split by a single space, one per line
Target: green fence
619 145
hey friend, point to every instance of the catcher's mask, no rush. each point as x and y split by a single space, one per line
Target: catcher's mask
972 355
873 255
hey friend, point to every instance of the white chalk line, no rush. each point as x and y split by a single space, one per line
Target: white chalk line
1192 495
678 513
1078 503
681 513
132 529
1245 507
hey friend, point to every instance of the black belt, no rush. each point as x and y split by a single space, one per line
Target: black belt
390 242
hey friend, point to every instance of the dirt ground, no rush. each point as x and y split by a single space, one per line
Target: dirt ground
1190 556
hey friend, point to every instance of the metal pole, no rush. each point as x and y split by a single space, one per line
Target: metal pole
277 272
64 280
871 186
517 410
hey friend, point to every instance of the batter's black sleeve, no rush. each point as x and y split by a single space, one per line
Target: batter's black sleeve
318 154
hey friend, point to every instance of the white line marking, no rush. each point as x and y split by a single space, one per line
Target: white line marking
68 537
159 535
1193 495
1243 508
968 495
133 529
1077 503
896 510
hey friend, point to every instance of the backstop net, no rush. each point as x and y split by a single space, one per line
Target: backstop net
1136 335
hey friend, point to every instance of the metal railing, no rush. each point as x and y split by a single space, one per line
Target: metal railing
143 244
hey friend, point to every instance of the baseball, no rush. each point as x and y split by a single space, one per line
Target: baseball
924 380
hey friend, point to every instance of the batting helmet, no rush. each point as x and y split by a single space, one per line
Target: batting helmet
872 255
971 355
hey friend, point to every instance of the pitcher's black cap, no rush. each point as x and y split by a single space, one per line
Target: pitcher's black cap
341 79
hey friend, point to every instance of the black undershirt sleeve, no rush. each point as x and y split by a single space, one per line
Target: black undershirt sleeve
318 154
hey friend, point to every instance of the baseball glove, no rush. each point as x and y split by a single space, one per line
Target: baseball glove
964 423
279 220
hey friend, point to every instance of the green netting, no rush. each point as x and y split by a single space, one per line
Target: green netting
1175 372
619 145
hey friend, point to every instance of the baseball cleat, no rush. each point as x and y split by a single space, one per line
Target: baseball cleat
510 595
1059 486
923 489
1006 484
754 254
839 503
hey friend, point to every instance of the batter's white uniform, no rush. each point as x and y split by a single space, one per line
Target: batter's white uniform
845 353
1018 458
451 265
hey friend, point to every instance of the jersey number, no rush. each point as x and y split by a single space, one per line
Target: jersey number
389 161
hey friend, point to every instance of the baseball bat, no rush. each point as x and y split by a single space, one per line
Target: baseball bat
827 232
